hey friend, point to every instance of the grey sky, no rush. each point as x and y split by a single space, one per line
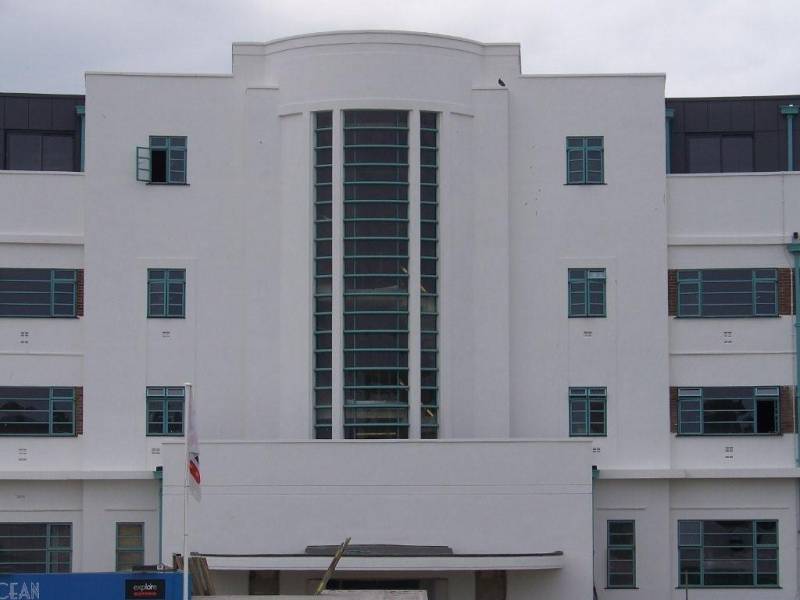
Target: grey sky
706 47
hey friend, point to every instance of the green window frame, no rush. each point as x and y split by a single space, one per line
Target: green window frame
728 293
166 293
376 244
323 275
730 553
38 293
587 411
585 162
129 547
35 547
586 293
429 277
165 411
621 554
163 161
729 410
37 411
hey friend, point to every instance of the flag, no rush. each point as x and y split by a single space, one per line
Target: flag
192 446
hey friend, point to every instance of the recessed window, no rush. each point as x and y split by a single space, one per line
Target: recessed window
587 292
130 546
621 554
45 411
38 292
728 293
584 160
587 411
728 410
727 553
35 548
166 293
165 410
163 161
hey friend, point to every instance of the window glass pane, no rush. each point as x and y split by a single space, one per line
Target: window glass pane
57 153
24 151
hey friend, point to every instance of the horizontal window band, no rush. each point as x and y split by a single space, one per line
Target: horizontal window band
375 164
374 128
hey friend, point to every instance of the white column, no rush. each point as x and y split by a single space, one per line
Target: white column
414 360
337 280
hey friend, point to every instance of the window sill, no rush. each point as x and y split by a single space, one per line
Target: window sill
39 317
152 317
623 587
165 183
729 316
595 435
716 435
731 587
600 183
587 316
164 435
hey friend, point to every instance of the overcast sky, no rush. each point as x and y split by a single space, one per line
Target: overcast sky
706 47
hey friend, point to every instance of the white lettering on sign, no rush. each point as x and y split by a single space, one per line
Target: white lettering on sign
19 591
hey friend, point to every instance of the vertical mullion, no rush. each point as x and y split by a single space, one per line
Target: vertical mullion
585 151
414 233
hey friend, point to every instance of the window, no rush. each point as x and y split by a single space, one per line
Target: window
38 292
163 161
429 280
130 545
376 274
323 274
621 554
35 547
728 293
587 411
584 160
166 293
165 410
728 410
37 411
587 292
728 553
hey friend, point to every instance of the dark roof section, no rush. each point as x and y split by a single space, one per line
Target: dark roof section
381 550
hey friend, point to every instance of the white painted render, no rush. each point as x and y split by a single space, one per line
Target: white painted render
505 478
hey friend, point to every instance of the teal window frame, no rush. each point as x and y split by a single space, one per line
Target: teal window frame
166 411
323 275
621 553
697 412
128 552
176 157
586 293
166 288
52 292
53 407
375 275
51 541
588 407
585 160
701 552
429 277
697 288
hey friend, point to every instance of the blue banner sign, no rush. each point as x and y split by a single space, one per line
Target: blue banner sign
91 586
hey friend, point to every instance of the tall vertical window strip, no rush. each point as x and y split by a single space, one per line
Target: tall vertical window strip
323 272
130 545
587 411
38 292
621 554
585 160
35 547
728 293
375 274
48 411
429 267
728 553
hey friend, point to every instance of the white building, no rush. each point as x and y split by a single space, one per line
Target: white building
391 235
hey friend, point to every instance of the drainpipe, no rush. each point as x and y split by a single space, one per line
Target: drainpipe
794 250
158 474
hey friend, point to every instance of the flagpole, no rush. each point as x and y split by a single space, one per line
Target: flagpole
186 493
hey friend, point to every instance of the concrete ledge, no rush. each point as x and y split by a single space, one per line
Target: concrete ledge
733 473
73 475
